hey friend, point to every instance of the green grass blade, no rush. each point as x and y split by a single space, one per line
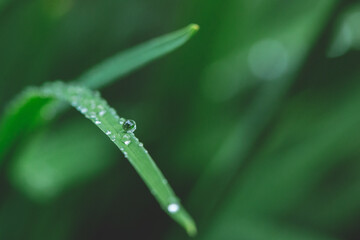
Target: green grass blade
93 107
99 76
134 58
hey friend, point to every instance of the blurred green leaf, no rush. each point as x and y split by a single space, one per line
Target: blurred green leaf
50 164
244 132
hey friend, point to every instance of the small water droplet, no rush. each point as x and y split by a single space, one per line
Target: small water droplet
102 113
173 207
113 138
84 110
129 126
108 132
126 139
92 115
141 144
97 122
122 120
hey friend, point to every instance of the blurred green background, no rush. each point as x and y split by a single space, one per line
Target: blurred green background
255 121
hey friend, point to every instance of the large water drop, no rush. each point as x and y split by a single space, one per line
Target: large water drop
173 207
129 126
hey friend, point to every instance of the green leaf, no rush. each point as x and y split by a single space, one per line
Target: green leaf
14 126
134 58
93 107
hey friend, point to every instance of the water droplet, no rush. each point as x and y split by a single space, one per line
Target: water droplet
129 126
122 120
102 113
141 144
173 207
97 122
126 139
113 138
84 110
108 133
92 115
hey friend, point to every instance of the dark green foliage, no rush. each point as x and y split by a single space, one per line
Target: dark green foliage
254 122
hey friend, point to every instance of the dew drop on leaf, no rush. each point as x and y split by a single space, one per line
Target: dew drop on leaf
113 138
126 139
122 120
102 113
173 207
83 110
129 126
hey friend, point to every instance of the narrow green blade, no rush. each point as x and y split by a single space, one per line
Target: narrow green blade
134 58
99 76
120 131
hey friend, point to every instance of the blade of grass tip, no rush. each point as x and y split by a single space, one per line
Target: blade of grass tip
134 58
121 132
97 77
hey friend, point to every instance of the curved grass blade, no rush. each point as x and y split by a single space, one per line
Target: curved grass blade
97 77
134 58
93 107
